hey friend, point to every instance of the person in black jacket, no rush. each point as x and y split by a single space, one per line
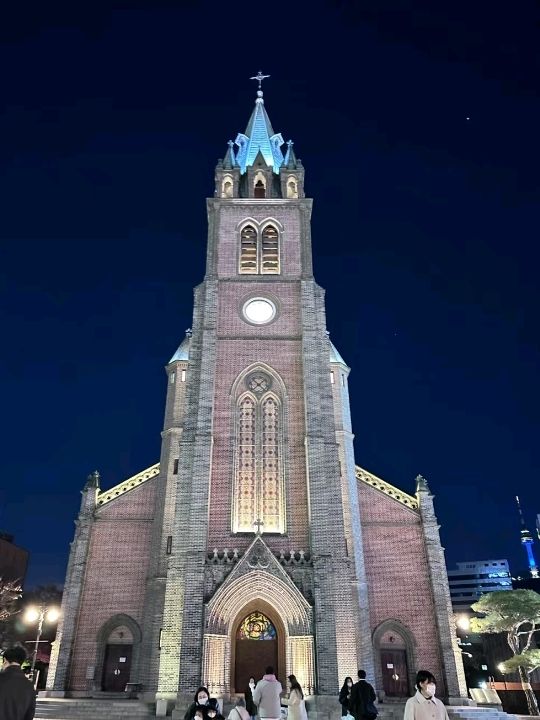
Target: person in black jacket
17 695
361 702
248 695
345 696
202 701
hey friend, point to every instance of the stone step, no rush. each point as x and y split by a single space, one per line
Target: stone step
87 709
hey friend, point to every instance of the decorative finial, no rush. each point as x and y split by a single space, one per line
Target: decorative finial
189 332
259 77
421 484
230 143
290 143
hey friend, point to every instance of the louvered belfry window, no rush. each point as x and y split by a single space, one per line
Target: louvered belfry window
270 251
248 251
259 251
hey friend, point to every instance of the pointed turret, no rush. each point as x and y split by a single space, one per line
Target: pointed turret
290 162
527 542
229 161
183 349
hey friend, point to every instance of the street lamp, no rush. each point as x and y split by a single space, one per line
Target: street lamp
41 613
463 622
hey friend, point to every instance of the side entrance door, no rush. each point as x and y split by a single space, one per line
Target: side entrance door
395 672
117 667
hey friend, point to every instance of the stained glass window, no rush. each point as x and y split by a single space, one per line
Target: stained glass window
256 626
258 493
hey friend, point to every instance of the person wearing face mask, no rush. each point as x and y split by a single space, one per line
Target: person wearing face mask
424 705
345 696
250 705
201 701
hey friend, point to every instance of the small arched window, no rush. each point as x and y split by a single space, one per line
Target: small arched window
270 251
227 191
248 251
259 190
292 188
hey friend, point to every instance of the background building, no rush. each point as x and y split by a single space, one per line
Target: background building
473 578
13 560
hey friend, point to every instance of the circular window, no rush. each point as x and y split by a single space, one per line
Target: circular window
259 311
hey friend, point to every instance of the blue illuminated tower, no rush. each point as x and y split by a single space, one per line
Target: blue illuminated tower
527 542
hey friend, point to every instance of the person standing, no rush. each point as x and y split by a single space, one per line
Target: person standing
250 705
267 696
297 706
424 705
361 702
17 694
345 696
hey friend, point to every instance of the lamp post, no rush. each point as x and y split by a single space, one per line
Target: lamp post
42 613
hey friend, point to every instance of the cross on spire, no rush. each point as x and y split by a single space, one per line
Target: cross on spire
259 77
258 524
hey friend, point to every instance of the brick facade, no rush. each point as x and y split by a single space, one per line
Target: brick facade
350 561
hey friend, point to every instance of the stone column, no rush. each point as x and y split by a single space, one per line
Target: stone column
450 654
58 677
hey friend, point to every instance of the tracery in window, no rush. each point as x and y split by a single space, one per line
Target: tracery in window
258 485
259 250
270 251
256 626
248 251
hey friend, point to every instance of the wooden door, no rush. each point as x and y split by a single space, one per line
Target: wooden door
117 667
395 672
251 659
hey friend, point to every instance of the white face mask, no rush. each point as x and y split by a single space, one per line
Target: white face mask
430 689
251 684
202 700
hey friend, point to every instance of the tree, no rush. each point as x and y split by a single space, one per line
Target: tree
10 592
516 613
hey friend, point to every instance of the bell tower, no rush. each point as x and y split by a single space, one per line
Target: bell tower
260 527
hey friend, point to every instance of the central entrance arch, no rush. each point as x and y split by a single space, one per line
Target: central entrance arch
256 648
258 640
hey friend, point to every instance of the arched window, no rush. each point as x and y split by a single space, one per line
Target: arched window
270 251
259 190
258 491
292 188
227 191
249 261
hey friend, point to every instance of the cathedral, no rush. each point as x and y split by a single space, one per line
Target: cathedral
256 539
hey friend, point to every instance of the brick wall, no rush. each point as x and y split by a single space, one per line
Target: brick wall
398 580
117 567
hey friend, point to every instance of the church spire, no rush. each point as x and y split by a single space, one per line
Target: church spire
259 136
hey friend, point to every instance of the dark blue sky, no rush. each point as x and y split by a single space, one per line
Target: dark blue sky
425 233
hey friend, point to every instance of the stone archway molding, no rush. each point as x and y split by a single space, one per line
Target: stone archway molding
403 631
103 635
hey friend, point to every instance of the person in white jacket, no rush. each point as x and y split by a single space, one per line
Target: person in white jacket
295 701
267 696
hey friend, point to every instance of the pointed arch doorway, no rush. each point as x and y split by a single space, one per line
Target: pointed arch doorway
258 640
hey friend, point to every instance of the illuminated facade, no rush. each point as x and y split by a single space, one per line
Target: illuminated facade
256 537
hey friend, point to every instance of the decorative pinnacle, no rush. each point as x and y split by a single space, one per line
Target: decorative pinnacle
93 479
259 77
189 332
421 484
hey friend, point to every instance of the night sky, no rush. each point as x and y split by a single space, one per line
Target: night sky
418 126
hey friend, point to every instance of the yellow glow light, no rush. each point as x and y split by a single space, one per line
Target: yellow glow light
53 615
501 667
464 622
31 615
